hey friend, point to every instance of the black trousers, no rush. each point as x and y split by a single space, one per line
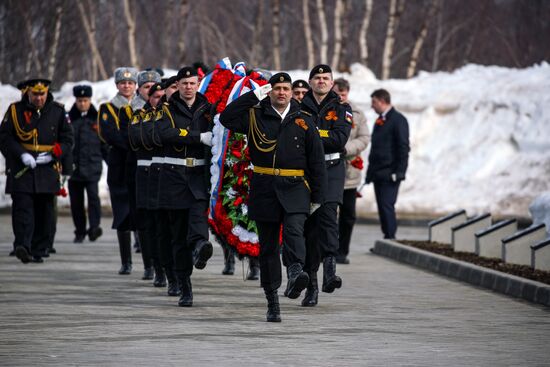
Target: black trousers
386 197
321 231
198 223
163 235
32 218
76 193
293 240
346 221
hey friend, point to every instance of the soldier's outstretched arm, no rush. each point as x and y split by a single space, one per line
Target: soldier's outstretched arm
235 116
316 168
335 139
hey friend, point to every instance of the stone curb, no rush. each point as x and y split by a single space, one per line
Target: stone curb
497 281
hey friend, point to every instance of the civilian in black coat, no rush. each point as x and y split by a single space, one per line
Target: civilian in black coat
88 155
388 158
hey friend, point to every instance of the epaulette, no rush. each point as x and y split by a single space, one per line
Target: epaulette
59 104
257 106
306 113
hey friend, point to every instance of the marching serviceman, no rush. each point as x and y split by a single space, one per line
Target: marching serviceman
88 154
34 136
288 180
142 152
186 133
333 120
114 117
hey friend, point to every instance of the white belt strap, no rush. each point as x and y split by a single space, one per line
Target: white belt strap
158 160
187 162
144 162
331 157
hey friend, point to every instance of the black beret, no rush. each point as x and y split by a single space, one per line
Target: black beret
319 69
300 83
82 91
154 88
186 72
169 81
280 78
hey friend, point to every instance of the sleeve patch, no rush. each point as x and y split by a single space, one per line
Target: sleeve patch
349 117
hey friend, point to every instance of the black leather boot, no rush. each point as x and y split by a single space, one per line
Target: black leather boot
94 233
297 281
254 273
331 281
125 247
173 287
148 273
312 292
160 278
273 309
203 252
229 261
186 298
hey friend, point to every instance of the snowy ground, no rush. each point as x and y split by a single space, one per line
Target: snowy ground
480 136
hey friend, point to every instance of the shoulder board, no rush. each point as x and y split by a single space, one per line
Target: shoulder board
58 104
135 119
306 113
166 104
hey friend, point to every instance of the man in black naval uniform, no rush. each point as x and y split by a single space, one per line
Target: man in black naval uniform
288 180
34 137
186 133
158 199
334 120
113 120
143 219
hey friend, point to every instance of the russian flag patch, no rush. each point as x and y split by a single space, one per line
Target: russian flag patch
349 117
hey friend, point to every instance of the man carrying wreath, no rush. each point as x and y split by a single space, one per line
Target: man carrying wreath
288 180
34 135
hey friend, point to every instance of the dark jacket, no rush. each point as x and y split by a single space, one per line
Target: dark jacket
25 129
298 146
334 120
389 152
88 151
113 130
179 130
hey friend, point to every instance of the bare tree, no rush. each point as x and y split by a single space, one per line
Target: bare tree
411 69
363 45
324 31
131 27
183 16
55 42
307 34
276 37
338 11
256 41
91 39
32 57
396 7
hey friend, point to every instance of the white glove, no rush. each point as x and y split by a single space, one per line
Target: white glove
28 160
313 207
263 91
206 138
394 177
44 158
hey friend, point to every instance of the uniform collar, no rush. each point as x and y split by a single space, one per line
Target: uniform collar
285 112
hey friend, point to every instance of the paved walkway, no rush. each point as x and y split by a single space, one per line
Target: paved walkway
75 310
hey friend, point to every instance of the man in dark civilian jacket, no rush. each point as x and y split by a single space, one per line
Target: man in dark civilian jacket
388 158
88 154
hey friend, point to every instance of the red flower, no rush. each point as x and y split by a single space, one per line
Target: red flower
62 192
379 121
57 151
357 162
238 201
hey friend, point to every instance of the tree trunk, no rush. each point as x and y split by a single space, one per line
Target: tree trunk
184 11
166 38
33 55
276 36
324 32
363 45
308 34
91 40
411 70
131 27
390 39
338 10
257 39
55 42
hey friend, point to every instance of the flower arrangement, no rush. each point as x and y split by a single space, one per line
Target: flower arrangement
231 168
